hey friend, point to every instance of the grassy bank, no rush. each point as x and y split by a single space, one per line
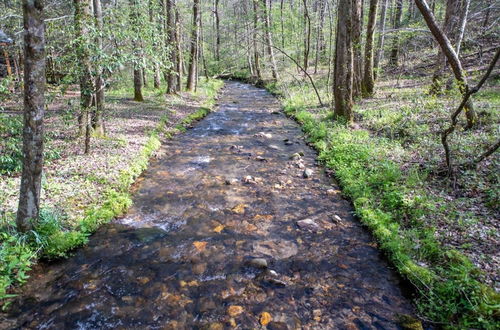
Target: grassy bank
101 185
407 204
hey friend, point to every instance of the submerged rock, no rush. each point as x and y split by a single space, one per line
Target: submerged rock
307 173
308 224
258 263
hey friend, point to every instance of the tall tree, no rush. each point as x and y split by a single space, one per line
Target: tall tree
381 37
307 35
178 44
453 25
254 36
396 24
34 108
357 25
343 74
137 63
269 40
217 30
82 20
97 117
193 54
172 56
451 56
368 78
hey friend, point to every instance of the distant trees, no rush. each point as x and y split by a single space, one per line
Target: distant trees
368 83
34 110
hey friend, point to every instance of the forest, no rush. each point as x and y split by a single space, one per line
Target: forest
193 164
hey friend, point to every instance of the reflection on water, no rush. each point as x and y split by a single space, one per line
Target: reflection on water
213 241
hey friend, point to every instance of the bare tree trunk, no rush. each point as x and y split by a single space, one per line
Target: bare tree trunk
269 41
97 118
343 74
82 19
307 35
368 78
452 58
394 59
138 79
178 45
255 48
319 35
171 42
381 37
357 13
217 31
193 65
34 110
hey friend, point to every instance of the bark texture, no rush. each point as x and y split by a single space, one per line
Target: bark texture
368 84
34 108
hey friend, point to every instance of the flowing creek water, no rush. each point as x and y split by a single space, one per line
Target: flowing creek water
227 198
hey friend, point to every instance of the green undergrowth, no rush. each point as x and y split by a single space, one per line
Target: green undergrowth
51 240
394 206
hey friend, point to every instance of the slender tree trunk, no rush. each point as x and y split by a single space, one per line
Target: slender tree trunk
138 78
97 118
394 59
381 37
255 45
178 44
171 79
343 74
82 19
217 31
452 58
193 65
357 17
307 35
368 79
269 40
34 108
450 29
319 35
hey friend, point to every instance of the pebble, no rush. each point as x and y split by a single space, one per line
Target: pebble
231 181
258 263
295 156
234 310
308 224
307 173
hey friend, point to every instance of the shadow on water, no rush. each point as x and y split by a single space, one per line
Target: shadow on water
227 192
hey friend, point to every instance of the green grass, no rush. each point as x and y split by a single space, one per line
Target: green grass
394 204
51 240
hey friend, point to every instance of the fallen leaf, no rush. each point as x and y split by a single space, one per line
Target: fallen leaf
239 209
234 310
219 228
200 246
265 318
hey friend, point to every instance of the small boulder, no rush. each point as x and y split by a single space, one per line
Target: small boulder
308 224
307 173
260 263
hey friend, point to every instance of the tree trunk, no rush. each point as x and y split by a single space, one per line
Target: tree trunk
97 117
452 58
157 77
394 59
138 78
171 79
269 40
34 108
193 57
82 20
319 35
307 35
381 37
178 45
454 15
368 79
217 31
357 20
255 47
343 74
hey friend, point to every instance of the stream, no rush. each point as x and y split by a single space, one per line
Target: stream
237 226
